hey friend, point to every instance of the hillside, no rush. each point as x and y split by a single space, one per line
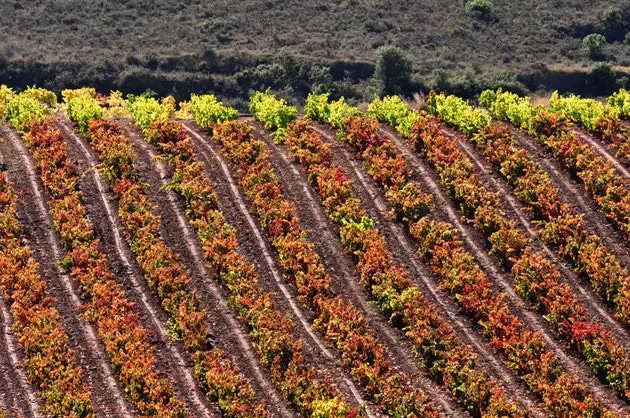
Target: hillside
121 44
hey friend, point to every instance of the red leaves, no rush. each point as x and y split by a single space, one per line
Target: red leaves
37 325
599 177
125 338
460 273
395 294
361 132
341 323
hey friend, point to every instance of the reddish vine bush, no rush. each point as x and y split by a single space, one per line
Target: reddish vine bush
440 246
49 360
125 339
167 276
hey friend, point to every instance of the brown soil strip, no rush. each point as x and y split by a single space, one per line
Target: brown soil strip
180 236
325 236
515 210
109 398
260 253
577 197
103 211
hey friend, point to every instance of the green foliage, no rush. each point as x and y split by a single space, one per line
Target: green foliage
390 109
274 113
594 44
329 408
6 94
393 110
82 109
620 101
509 106
70 94
43 96
339 110
207 110
317 107
611 18
483 8
586 111
393 71
458 112
24 109
147 110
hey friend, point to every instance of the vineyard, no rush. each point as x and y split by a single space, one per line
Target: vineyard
435 259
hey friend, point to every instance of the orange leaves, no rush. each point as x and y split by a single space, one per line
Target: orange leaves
166 275
49 360
361 132
118 325
395 294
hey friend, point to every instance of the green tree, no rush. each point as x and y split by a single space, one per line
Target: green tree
482 8
594 44
393 71
611 18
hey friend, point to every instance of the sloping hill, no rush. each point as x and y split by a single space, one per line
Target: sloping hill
102 42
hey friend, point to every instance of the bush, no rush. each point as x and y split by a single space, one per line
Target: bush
393 71
602 76
482 8
593 44
611 18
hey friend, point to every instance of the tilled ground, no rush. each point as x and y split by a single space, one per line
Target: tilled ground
19 397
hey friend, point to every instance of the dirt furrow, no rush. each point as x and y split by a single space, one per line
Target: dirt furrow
576 196
108 227
601 149
472 239
405 247
595 304
110 397
183 238
341 266
19 396
211 156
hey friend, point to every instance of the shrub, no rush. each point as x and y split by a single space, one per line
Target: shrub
482 8
593 44
393 71
611 18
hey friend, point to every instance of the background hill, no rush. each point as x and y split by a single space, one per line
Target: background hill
176 46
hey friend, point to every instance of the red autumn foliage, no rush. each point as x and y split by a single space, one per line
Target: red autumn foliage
167 276
49 360
452 363
118 325
463 278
